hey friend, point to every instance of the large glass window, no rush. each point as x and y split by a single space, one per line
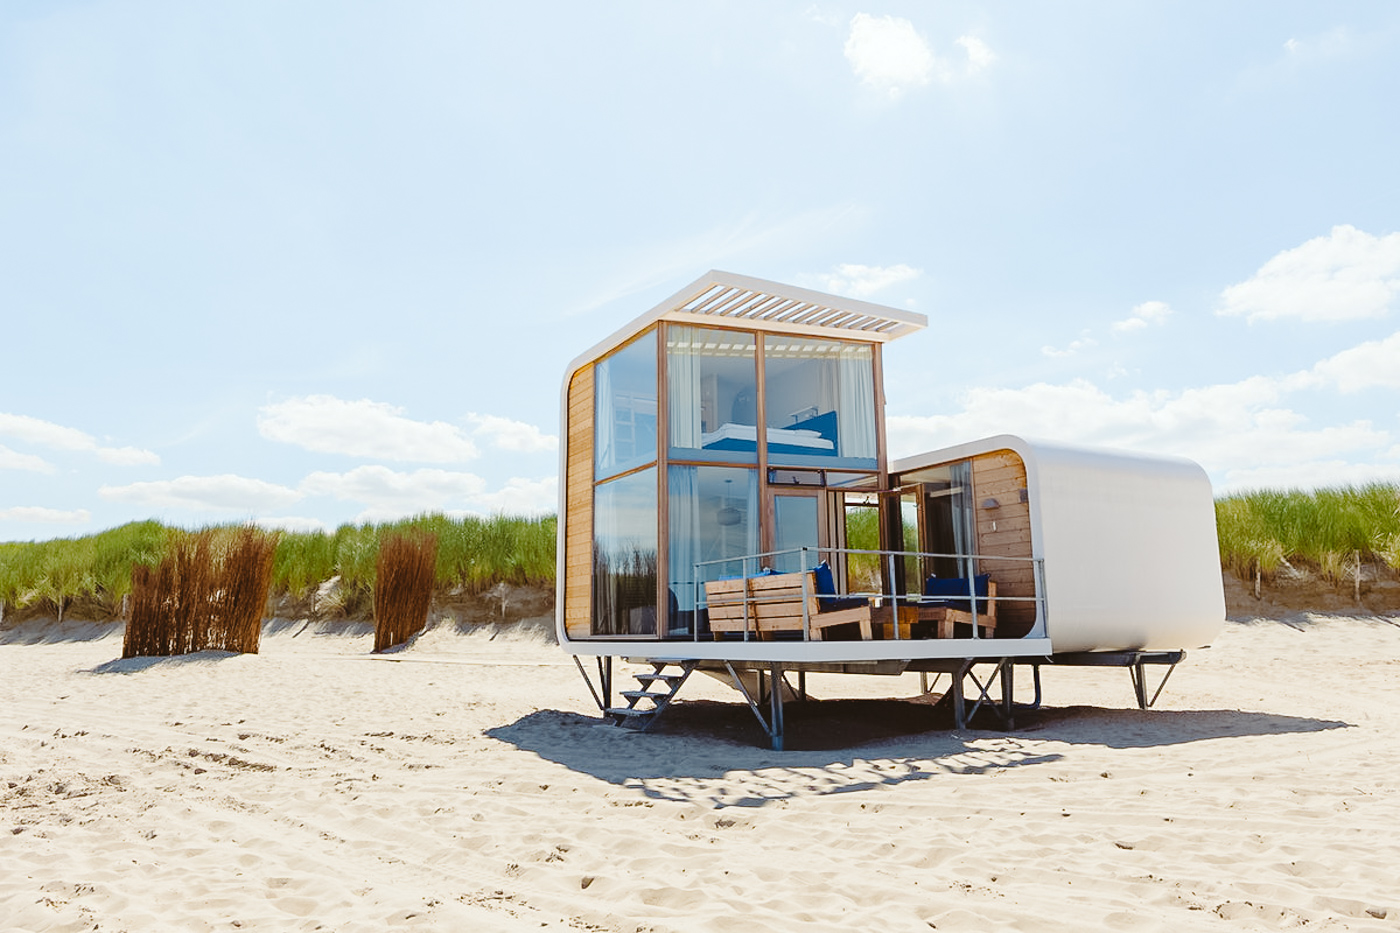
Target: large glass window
712 394
820 401
625 555
714 518
624 388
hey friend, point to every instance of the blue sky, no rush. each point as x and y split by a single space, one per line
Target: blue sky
324 262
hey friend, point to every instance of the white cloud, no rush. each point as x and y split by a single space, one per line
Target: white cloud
1375 363
362 428
39 514
825 17
1312 474
859 281
1347 275
512 435
1231 429
1335 43
1145 314
979 56
58 437
14 460
521 497
1083 343
291 523
225 493
389 493
887 53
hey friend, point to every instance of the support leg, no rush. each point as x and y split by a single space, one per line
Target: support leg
605 677
775 706
1008 694
959 699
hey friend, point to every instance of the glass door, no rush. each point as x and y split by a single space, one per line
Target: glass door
797 523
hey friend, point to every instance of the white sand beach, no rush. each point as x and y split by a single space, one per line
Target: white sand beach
467 783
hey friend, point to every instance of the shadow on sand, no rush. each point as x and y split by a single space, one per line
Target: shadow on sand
716 754
136 665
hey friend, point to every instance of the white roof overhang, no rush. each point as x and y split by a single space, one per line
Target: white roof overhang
725 299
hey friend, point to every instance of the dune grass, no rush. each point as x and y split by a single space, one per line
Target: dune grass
1260 531
1332 529
94 573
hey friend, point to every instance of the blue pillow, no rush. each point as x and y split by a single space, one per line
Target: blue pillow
943 589
827 599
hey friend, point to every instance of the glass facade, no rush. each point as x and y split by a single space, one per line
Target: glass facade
820 401
713 521
818 428
625 555
624 390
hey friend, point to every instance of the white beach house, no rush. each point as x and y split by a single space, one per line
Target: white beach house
728 503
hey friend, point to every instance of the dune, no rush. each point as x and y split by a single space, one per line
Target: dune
465 781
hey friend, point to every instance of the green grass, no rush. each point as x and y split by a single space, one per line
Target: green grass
1328 528
1259 531
474 554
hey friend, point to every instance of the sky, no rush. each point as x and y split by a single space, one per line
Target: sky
326 262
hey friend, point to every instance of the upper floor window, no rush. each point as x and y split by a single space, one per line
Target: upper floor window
625 415
712 394
820 401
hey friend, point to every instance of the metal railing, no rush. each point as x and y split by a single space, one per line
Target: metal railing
808 558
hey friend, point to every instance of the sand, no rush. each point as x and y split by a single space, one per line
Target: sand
466 783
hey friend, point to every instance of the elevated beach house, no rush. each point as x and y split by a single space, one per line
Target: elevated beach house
727 503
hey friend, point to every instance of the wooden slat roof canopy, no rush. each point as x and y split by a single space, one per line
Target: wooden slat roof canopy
720 299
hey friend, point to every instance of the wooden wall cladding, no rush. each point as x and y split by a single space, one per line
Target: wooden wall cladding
578 546
1005 531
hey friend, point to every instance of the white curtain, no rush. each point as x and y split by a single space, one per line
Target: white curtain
683 385
962 506
603 414
855 421
685 533
751 519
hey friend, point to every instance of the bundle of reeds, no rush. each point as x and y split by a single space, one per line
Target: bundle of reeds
207 593
403 587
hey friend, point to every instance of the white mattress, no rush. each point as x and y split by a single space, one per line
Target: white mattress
749 433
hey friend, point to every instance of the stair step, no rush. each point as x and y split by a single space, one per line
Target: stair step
644 695
669 678
629 713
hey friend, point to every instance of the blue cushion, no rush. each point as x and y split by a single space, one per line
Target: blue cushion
827 599
943 589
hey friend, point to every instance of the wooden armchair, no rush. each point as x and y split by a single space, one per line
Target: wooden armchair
946 603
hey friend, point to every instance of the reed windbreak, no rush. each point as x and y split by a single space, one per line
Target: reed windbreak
206 594
403 587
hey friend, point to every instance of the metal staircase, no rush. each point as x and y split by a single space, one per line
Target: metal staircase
644 706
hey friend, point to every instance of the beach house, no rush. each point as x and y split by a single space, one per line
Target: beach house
727 503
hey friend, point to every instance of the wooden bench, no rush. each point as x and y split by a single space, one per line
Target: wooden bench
776 604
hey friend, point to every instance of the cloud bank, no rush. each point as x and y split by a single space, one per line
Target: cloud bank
1345 276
